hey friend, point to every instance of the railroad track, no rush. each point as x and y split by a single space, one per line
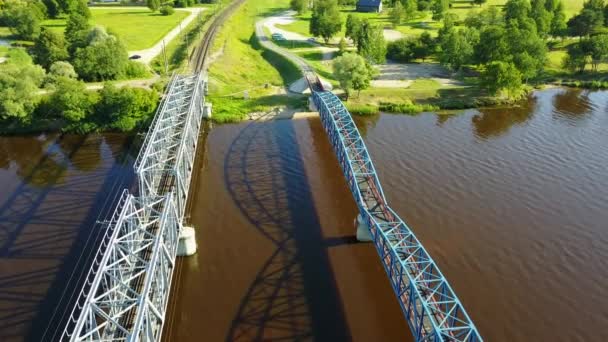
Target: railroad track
199 56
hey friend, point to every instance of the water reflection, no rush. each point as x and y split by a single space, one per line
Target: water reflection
47 225
495 122
572 105
293 296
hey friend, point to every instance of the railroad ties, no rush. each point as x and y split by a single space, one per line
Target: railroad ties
125 294
430 306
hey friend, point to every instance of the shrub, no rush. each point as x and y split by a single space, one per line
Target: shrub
136 70
166 10
362 109
407 107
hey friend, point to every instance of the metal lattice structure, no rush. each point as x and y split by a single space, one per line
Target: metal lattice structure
429 304
125 295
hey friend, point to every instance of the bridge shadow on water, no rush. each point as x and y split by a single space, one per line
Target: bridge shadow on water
48 233
294 295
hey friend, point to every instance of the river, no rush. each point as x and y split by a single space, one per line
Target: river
511 203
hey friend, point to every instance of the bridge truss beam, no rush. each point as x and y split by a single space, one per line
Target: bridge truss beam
429 304
126 292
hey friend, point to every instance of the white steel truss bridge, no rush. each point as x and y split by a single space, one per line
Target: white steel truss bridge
125 295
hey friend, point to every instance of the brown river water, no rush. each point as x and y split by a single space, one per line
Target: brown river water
511 203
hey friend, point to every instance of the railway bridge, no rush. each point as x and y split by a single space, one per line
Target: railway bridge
125 296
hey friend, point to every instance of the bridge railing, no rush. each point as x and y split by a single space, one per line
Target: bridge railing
430 306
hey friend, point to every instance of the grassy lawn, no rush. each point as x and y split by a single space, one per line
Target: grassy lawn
139 29
243 64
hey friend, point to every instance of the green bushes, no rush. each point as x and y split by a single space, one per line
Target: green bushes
407 107
167 10
362 109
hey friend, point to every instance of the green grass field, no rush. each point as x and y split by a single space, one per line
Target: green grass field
138 29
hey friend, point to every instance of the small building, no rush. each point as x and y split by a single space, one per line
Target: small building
369 6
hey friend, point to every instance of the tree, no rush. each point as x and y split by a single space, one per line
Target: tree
52 8
123 109
439 8
353 25
104 57
585 23
517 10
527 49
19 82
370 43
49 48
577 58
425 46
299 5
542 17
410 8
492 45
598 48
501 76
153 5
397 14
401 50
479 2
559 26
69 100
80 7
325 20
342 46
60 69
76 32
456 49
352 72
23 18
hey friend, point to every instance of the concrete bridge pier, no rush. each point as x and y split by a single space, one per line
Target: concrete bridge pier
363 234
187 242
311 105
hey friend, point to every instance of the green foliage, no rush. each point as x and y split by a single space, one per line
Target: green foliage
69 100
23 18
501 76
153 5
439 8
598 50
457 48
362 109
123 109
325 21
299 6
352 72
517 10
60 70
397 14
342 46
479 2
167 10
80 7
407 107
559 27
52 8
76 32
586 22
19 82
49 47
542 17
406 50
370 43
104 58
353 25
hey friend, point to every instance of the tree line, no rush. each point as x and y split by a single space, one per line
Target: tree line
508 46
63 62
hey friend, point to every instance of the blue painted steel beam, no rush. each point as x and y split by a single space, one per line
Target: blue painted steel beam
430 306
